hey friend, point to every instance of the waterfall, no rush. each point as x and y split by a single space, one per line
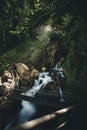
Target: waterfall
41 82
56 69
61 74
61 94
27 112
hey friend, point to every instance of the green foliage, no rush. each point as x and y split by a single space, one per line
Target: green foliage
19 20
27 52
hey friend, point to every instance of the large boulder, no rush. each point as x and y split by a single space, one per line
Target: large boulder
23 75
21 69
6 77
7 82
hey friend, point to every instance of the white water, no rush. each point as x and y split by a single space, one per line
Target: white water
57 69
61 74
28 109
26 113
44 78
61 94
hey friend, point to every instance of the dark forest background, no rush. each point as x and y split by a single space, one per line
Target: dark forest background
20 26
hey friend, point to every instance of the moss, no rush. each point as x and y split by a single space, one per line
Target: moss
26 52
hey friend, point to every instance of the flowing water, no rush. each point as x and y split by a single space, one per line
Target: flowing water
30 110
61 94
42 81
26 113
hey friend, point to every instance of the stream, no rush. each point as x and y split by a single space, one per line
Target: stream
31 110
28 112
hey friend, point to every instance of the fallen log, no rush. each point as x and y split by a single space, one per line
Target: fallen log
33 123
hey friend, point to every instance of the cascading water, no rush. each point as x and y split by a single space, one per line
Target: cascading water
61 94
27 112
29 109
58 71
61 74
44 78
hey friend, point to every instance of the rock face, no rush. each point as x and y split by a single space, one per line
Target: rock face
50 54
54 52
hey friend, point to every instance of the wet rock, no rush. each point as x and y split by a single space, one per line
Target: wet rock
21 69
34 73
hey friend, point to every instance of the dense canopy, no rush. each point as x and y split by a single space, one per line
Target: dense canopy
21 20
